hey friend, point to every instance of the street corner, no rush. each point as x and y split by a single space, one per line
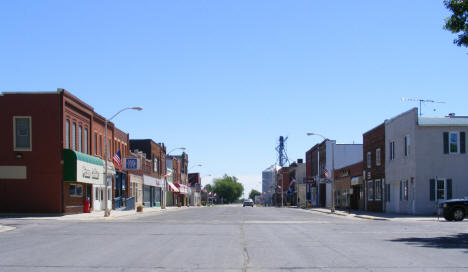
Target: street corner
368 217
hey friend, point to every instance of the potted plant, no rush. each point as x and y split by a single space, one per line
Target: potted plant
139 208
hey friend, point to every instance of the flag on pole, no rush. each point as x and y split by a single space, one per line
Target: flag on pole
117 160
325 172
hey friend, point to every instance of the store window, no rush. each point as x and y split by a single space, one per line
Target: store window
370 190
22 131
76 190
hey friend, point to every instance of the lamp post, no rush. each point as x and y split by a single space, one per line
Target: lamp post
106 157
332 209
197 165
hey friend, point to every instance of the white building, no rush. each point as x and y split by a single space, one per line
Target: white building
425 162
269 182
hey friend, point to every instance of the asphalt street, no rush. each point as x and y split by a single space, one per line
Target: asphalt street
233 238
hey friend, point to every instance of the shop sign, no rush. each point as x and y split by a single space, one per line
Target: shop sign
89 173
132 164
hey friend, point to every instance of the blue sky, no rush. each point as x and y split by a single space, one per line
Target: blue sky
227 78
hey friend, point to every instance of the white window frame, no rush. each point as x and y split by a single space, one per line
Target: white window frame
378 157
369 159
457 133
14 133
378 193
155 164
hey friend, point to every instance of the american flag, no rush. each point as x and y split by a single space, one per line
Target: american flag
325 172
117 160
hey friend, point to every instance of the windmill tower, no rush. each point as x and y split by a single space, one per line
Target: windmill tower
281 149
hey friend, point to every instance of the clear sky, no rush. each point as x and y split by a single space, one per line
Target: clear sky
226 78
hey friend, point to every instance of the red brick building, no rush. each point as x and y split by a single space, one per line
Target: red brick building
374 167
52 154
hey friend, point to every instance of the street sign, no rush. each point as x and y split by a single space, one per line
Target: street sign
132 164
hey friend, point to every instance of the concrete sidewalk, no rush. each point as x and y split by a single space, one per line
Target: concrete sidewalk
99 215
377 216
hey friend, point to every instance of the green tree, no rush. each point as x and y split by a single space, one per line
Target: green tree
228 188
209 188
253 193
458 22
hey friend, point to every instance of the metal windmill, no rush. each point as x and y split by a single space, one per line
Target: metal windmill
281 149
420 102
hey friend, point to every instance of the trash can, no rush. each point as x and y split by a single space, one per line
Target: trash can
86 205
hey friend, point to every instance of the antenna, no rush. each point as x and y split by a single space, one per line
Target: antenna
421 101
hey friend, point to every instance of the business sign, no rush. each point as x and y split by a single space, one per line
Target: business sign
89 173
132 164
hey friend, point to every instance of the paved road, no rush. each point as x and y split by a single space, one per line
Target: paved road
233 238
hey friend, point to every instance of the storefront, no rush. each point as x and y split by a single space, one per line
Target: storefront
182 196
82 176
153 189
120 189
136 189
171 194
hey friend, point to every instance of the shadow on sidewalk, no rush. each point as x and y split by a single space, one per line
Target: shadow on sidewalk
448 242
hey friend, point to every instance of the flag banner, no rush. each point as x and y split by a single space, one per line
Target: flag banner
117 160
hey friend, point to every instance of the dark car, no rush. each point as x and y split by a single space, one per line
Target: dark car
248 202
455 209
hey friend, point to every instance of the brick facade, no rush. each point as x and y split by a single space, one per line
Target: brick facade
374 167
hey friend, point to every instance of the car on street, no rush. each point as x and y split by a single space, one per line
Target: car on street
248 202
455 209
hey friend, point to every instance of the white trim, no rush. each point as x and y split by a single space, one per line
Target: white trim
14 134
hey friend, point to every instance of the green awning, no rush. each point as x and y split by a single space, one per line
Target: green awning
81 167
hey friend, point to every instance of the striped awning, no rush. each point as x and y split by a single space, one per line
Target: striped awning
172 188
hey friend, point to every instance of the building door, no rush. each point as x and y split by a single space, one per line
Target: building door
395 197
89 190
355 197
323 194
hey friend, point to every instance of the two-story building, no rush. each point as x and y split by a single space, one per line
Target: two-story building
425 161
53 154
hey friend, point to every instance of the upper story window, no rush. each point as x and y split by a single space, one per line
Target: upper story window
369 157
392 151
454 142
67 133
378 160
95 143
86 140
74 136
155 164
407 145
80 146
22 133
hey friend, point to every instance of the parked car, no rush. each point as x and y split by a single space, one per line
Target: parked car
248 202
455 209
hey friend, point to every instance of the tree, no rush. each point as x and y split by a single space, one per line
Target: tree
458 22
208 188
253 193
228 188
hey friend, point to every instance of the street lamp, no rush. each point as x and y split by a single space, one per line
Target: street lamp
332 209
177 148
106 157
199 165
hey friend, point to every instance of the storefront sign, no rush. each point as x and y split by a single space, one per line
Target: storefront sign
89 173
132 164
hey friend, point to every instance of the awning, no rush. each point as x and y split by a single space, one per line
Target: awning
172 187
80 167
356 180
182 188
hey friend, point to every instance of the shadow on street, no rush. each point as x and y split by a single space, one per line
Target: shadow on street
455 241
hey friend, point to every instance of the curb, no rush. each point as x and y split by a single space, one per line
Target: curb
6 228
371 217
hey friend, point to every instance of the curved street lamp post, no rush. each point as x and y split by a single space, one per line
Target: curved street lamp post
106 157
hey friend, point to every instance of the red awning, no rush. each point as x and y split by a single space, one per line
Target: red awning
172 187
182 188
